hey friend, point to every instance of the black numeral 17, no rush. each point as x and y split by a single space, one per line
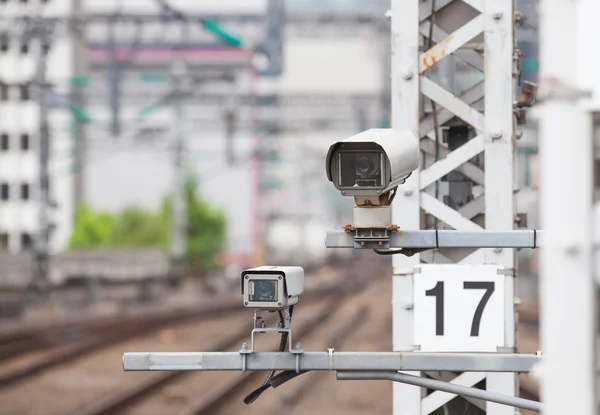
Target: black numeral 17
438 293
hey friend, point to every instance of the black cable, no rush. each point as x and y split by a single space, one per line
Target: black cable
276 381
391 199
404 251
252 396
380 252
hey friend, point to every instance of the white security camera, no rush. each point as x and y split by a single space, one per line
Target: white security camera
370 164
272 287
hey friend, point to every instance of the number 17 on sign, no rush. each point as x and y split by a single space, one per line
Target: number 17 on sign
458 308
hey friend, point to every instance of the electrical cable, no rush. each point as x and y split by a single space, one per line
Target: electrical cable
391 199
436 126
269 381
404 251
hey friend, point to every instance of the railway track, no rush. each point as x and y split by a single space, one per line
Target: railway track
218 396
37 358
28 352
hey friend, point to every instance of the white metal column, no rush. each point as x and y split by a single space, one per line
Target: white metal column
471 20
500 177
567 288
405 115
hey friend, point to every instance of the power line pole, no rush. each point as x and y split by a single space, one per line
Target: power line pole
179 203
42 243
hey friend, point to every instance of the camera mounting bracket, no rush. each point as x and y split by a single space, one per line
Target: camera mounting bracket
260 327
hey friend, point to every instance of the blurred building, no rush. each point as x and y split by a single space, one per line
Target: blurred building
19 131
316 101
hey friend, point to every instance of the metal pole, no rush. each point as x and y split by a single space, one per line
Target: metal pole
443 386
43 238
179 205
406 207
568 309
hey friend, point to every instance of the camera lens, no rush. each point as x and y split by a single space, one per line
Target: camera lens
363 164
264 290
367 165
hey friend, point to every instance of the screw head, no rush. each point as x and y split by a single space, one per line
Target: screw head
496 134
497 15
497 250
279 277
407 75
279 304
343 192
246 277
246 303
408 192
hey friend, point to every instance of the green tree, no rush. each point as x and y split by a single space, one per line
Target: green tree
136 227
92 229
206 229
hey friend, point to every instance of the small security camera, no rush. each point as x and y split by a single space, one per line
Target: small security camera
272 287
370 164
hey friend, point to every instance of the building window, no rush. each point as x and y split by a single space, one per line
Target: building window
26 241
4 194
4 40
24 91
3 91
45 48
3 241
24 141
24 48
4 145
24 191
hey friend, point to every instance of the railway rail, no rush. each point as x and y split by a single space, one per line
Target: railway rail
218 396
35 352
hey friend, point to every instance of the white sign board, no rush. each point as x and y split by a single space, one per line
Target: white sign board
458 308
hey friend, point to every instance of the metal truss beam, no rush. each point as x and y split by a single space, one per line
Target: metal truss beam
371 361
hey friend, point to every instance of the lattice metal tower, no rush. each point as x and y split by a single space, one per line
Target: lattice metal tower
480 146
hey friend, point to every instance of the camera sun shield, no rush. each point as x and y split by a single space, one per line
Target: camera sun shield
372 163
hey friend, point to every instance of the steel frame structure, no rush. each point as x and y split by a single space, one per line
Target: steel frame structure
494 137
493 244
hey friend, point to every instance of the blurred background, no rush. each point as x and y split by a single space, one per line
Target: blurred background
150 150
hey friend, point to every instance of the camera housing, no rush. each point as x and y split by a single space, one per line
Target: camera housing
372 163
272 287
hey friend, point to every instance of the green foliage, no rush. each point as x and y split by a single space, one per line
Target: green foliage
206 229
92 229
137 227
134 227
